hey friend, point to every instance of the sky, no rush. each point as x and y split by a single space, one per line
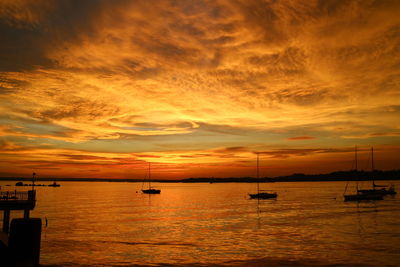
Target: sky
100 89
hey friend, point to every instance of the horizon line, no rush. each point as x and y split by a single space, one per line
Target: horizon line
294 175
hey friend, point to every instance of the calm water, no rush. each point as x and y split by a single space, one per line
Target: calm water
110 224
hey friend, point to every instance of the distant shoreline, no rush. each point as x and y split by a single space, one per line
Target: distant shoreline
298 177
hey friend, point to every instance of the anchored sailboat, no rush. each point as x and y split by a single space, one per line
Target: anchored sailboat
150 190
359 195
377 189
261 194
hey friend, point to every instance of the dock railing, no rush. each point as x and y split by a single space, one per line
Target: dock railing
17 195
16 200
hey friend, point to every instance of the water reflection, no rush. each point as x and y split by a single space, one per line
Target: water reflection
111 224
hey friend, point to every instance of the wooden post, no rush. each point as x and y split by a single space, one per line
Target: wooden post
33 181
24 242
6 221
26 214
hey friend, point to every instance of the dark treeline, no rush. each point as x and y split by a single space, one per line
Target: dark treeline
301 177
297 177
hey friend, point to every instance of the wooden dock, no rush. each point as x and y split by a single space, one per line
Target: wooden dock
16 200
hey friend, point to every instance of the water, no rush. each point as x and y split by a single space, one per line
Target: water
110 224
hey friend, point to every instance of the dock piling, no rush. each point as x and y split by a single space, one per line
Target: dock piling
6 221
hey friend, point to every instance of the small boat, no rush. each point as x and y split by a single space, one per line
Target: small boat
54 184
150 190
383 191
377 189
261 194
360 196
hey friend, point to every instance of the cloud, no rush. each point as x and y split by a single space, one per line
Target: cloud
151 76
300 138
10 146
296 152
8 86
29 29
371 135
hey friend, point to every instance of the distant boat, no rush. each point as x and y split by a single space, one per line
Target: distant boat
261 194
359 196
380 189
377 189
150 190
54 184
19 184
366 196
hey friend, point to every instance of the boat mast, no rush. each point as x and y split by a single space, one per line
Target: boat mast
373 167
149 176
33 181
355 152
258 173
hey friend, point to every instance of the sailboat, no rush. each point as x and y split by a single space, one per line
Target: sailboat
150 190
261 194
361 196
377 189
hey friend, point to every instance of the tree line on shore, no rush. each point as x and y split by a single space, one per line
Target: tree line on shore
297 177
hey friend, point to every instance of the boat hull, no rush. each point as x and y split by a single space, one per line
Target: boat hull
361 197
382 191
263 195
151 191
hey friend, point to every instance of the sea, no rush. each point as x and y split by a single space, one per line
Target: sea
203 224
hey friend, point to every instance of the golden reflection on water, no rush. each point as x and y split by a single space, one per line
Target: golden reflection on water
112 224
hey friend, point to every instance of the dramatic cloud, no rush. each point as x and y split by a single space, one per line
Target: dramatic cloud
218 80
301 138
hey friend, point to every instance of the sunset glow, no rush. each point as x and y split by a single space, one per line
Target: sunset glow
101 88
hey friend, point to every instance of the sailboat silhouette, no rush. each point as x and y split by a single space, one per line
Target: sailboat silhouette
372 195
261 194
377 189
150 190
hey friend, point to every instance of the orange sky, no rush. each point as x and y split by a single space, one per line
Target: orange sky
101 88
